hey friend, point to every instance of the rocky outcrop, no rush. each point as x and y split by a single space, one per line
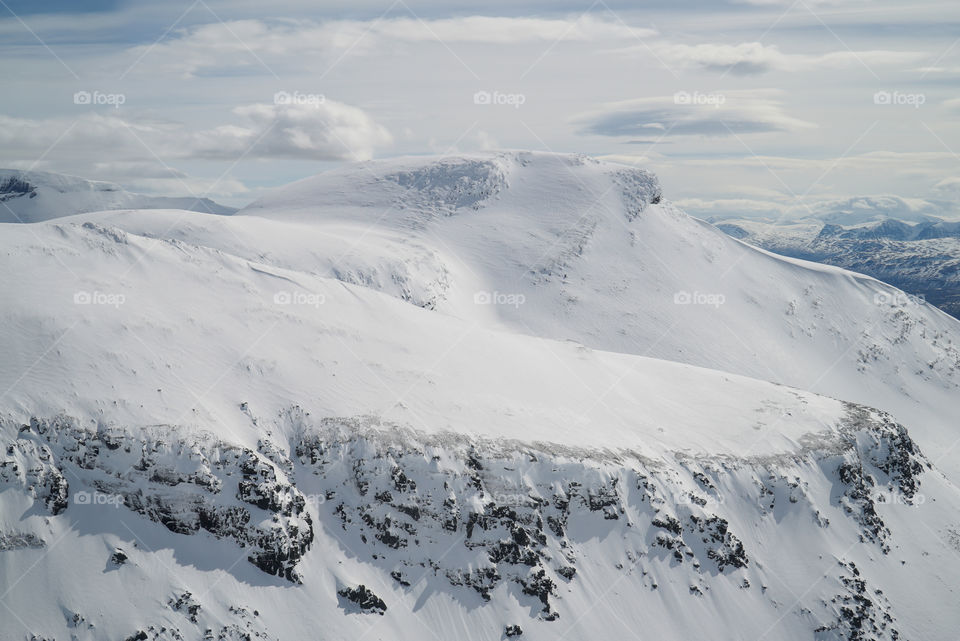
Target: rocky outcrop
187 484
364 599
480 516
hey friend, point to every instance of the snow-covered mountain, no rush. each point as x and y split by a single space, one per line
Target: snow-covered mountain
921 258
31 196
436 398
596 258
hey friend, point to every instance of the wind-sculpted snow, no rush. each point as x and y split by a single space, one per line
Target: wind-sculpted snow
451 185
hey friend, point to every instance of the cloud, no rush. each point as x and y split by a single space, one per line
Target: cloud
845 210
142 153
939 69
253 42
863 208
869 162
505 30
323 130
736 184
730 207
949 186
749 58
693 113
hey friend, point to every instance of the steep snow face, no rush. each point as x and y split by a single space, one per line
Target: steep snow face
31 196
571 248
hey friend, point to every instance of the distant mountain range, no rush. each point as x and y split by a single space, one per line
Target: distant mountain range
32 196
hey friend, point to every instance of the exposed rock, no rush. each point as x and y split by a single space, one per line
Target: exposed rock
365 599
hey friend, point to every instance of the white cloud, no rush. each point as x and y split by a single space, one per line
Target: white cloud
326 131
949 186
748 58
835 209
142 154
253 43
694 113
872 161
737 207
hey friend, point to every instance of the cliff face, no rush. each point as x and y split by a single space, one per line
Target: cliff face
499 527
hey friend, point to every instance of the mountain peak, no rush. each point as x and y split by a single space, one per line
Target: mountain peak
427 187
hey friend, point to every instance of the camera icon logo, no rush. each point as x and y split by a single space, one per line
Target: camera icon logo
282 298
882 98
282 98
682 298
682 98
482 98
81 98
482 298
82 298
82 498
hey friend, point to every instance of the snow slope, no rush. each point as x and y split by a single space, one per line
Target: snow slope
31 196
205 435
920 258
273 338
594 259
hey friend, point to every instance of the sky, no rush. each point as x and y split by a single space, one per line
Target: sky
762 108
